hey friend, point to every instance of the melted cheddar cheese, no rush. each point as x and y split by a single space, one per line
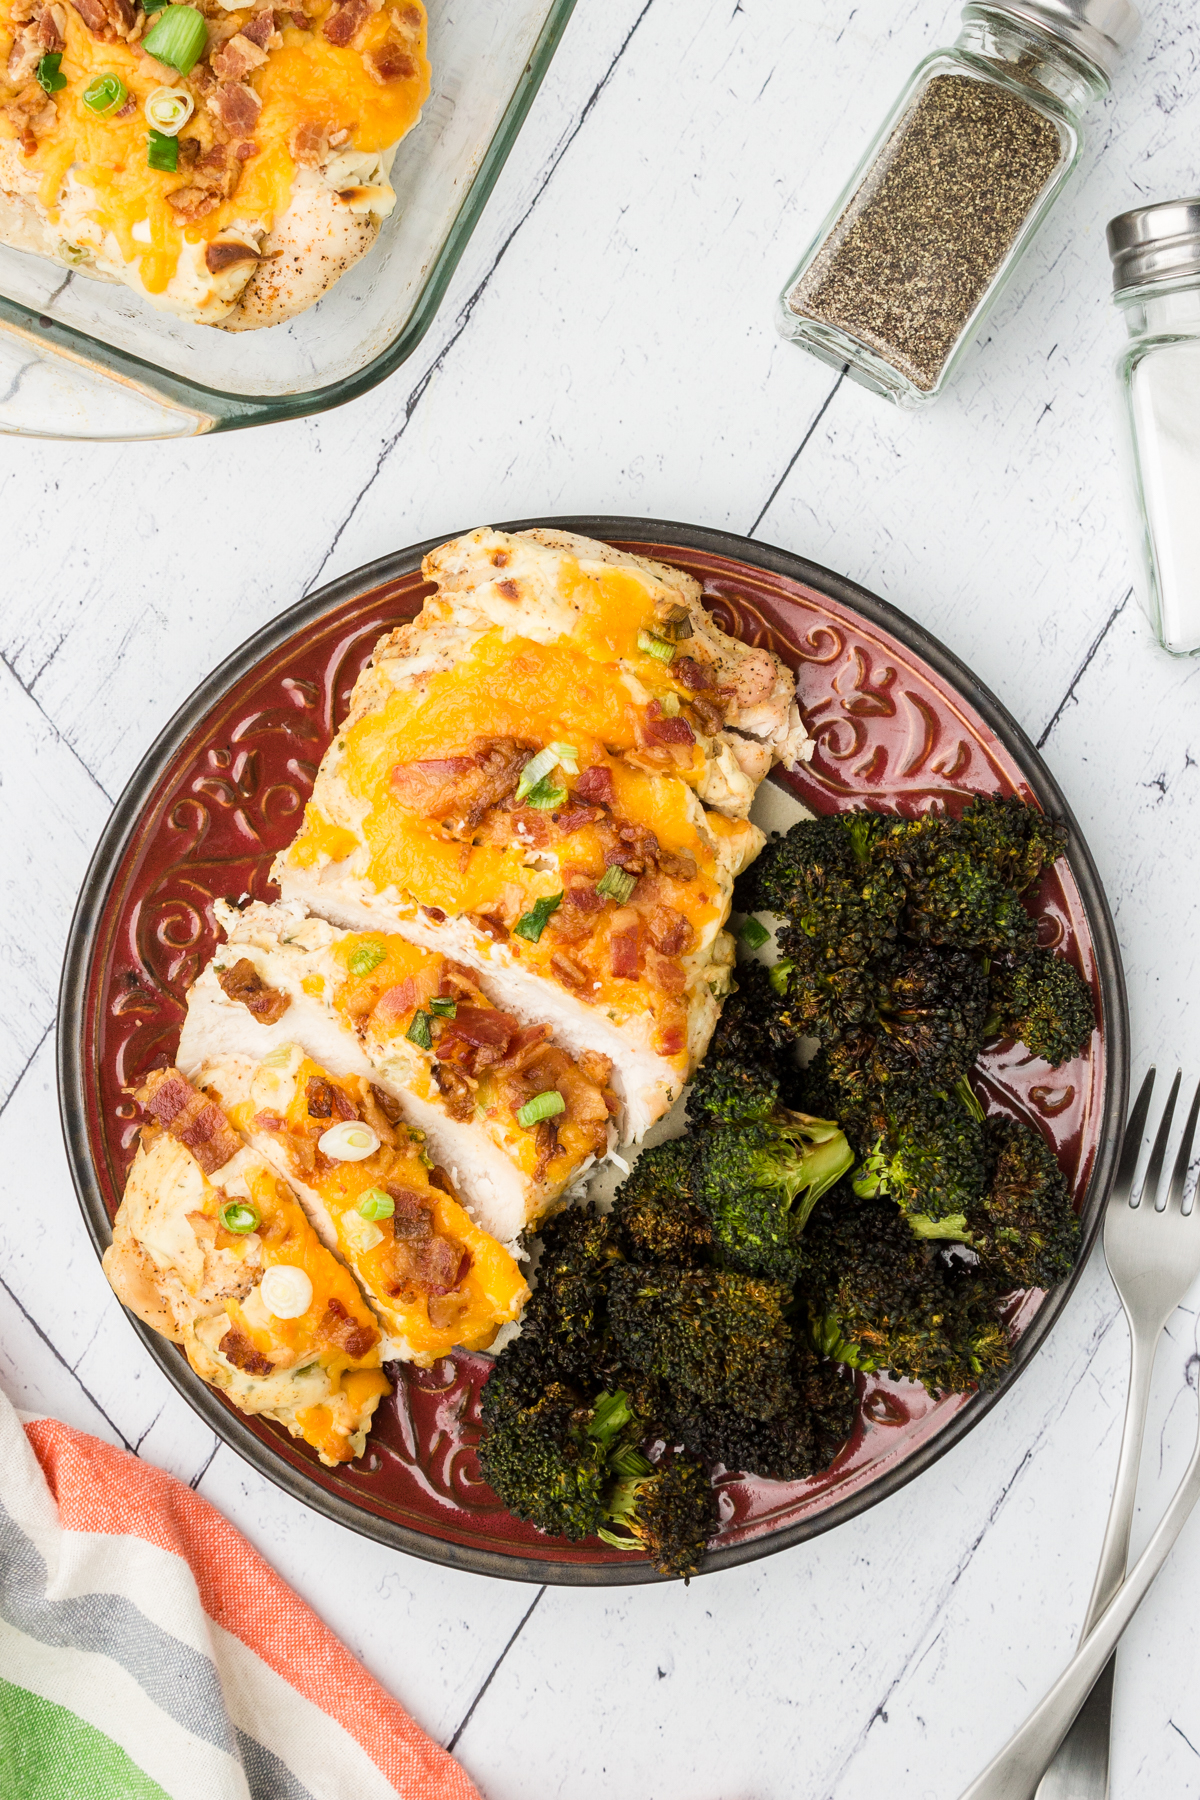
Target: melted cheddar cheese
492 1290
307 80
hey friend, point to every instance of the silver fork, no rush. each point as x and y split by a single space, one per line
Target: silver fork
1151 1272
1153 1255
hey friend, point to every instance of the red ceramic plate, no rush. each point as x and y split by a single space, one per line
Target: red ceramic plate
898 722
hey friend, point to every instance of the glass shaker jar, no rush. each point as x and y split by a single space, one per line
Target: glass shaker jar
1156 278
946 199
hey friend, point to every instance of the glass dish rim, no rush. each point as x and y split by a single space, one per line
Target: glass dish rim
124 823
215 409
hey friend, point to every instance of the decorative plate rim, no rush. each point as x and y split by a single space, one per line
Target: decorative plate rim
124 822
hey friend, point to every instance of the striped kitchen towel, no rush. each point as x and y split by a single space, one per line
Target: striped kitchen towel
148 1653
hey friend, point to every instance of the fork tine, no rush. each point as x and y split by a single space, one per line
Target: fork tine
1183 1160
1158 1154
1132 1142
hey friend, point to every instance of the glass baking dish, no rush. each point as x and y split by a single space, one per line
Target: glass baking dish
81 358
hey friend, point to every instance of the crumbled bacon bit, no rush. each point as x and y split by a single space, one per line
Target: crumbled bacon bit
467 785
579 892
193 203
664 973
261 30
691 673
575 819
390 62
130 107
669 931
325 1100
623 943
491 926
595 1067
484 1025
568 970
236 1348
340 1327
309 144
661 730
196 1122
106 19
236 58
345 21
445 1310
455 1089
595 785
435 913
242 982
236 106
545 1137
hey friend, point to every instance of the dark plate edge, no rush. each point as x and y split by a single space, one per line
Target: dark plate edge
123 821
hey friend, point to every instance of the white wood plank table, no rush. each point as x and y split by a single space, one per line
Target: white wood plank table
607 346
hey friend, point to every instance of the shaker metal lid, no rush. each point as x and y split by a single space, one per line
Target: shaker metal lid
1155 243
1099 29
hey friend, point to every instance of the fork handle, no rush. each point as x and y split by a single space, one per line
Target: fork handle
1080 1768
1016 1771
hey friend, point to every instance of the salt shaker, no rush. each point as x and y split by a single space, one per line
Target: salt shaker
945 201
1156 279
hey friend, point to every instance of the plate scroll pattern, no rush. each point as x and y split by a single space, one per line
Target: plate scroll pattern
889 733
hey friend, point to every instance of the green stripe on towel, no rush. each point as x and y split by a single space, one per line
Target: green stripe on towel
48 1753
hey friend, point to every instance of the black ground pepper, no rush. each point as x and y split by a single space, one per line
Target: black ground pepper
917 245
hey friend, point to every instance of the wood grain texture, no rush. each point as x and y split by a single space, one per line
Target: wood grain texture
607 346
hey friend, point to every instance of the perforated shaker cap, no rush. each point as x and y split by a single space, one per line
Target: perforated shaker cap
1098 29
1155 243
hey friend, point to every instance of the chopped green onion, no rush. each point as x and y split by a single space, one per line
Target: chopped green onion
542 1106
546 796
153 6
532 924
105 94
535 768
616 884
177 38
419 1032
240 1216
48 75
169 109
443 1006
655 646
676 624
669 706
754 934
162 152
375 1204
778 975
366 958
568 756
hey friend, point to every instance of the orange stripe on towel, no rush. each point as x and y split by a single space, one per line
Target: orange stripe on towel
100 1489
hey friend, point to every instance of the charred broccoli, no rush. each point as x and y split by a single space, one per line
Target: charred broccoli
565 1317
1042 1001
934 1159
880 1298
717 1334
1025 1230
574 1470
954 896
823 877
757 1184
1013 839
653 1213
668 1513
800 1440
741 1077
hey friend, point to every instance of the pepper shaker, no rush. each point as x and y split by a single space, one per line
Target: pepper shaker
1156 280
967 165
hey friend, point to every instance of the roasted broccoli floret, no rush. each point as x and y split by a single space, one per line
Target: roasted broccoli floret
565 1316
822 875
1012 838
880 1298
757 1183
934 1159
653 1213
667 1512
1024 1230
549 1462
740 1077
720 1335
1042 1001
800 1440
954 895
